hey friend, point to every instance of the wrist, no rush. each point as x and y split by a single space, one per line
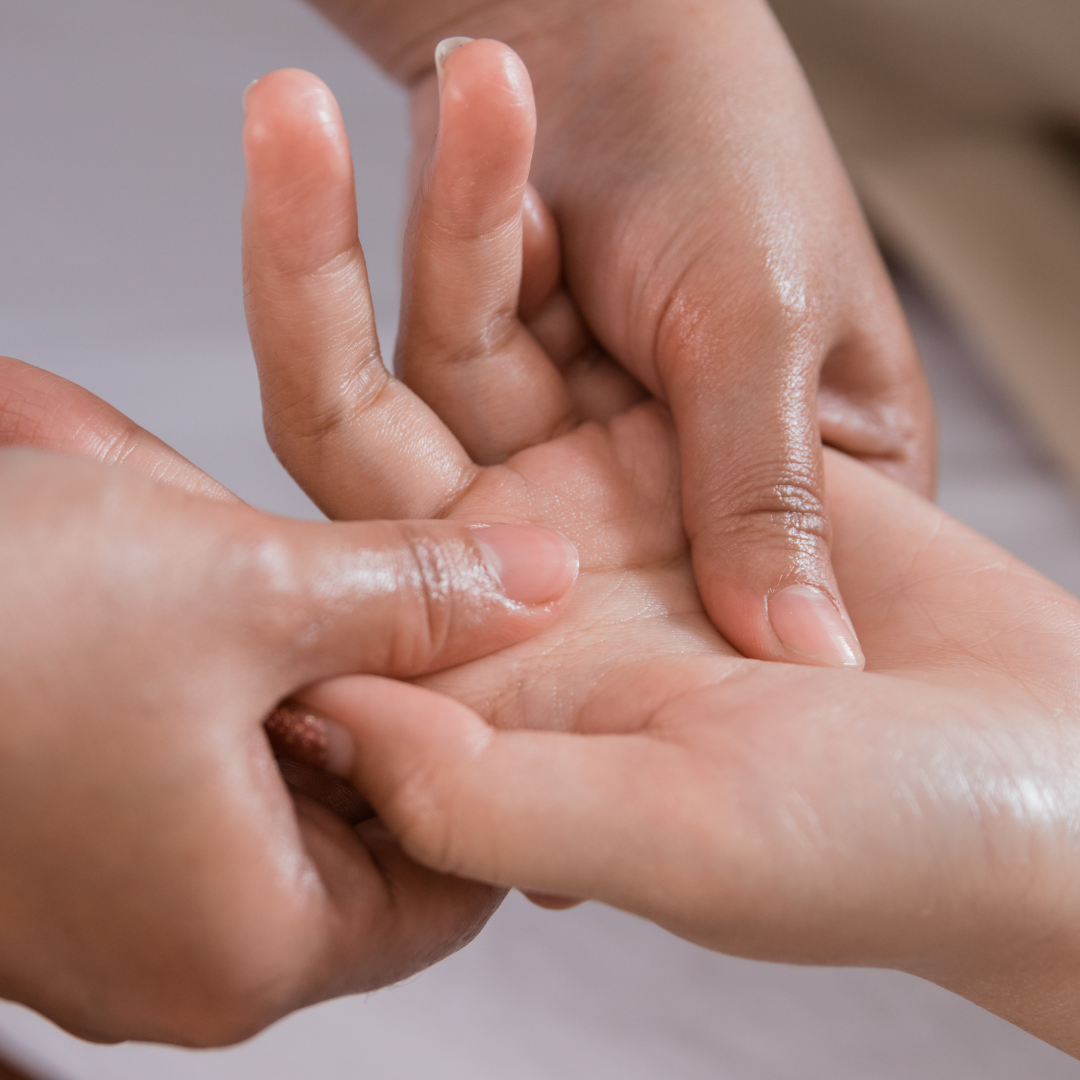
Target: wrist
597 66
1022 962
401 37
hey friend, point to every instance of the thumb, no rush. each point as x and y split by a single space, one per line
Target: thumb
755 512
541 811
399 598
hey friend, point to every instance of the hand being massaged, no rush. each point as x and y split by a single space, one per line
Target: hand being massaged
918 815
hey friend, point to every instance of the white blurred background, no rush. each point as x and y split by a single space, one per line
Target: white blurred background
120 188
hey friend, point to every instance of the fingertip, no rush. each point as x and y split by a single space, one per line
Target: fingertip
483 65
534 566
301 735
396 728
812 629
801 621
358 700
487 114
300 202
293 127
444 50
550 902
291 95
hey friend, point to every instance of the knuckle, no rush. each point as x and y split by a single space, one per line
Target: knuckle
422 821
116 446
790 510
454 345
471 217
312 415
707 313
264 570
429 574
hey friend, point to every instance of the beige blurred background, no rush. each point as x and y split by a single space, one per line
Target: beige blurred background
120 188
960 124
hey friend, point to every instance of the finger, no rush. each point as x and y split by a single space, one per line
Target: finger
543 812
598 388
389 917
550 902
318 785
42 410
754 504
392 598
358 441
754 489
287 602
461 344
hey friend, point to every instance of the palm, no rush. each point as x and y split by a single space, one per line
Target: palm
963 683
843 816
920 814
636 619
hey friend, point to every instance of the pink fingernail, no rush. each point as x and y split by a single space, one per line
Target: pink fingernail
533 565
808 624
444 49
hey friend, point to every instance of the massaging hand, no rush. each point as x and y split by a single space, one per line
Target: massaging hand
713 248
159 881
919 815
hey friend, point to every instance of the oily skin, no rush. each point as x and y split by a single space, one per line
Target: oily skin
161 882
919 815
713 249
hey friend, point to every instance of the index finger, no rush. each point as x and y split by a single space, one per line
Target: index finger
44 411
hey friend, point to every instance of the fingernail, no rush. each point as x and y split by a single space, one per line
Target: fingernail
444 49
299 735
247 90
533 565
808 624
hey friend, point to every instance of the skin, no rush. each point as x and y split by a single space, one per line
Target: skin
713 258
919 815
161 882
973 881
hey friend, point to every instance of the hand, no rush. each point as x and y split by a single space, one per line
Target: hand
917 815
714 249
43 411
160 882
920 815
